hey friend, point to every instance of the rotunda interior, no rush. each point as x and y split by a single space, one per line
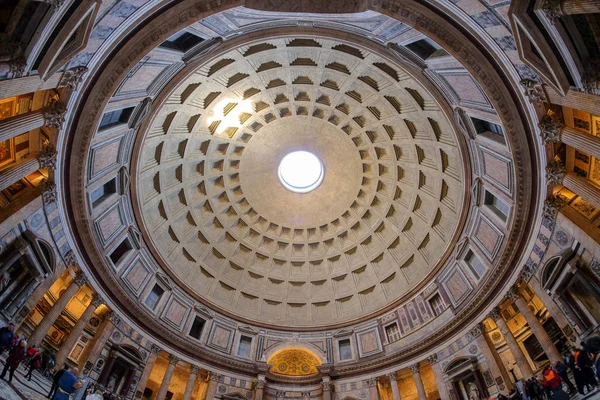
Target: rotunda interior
279 200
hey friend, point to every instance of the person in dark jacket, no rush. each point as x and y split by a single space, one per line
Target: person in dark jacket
6 337
34 363
55 380
15 356
562 370
584 362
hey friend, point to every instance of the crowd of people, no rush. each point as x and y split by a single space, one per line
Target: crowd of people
582 364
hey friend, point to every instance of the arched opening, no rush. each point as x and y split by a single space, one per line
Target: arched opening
294 361
466 378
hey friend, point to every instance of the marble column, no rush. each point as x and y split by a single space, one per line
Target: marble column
393 377
46 323
259 389
19 171
535 326
150 361
415 369
212 385
19 124
438 375
94 348
561 319
492 358
327 385
69 342
582 187
189 387
166 380
512 344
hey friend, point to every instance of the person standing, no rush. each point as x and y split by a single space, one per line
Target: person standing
67 384
34 363
55 380
552 381
561 368
15 356
6 337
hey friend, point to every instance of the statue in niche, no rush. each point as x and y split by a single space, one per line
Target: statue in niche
112 382
473 392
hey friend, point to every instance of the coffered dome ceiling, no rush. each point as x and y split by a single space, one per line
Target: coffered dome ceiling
223 225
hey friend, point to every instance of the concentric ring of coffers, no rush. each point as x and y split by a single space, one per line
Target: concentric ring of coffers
376 226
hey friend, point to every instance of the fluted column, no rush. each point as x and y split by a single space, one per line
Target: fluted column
65 348
19 171
189 387
582 187
553 131
166 381
535 326
512 344
19 124
154 352
438 375
492 358
415 369
212 385
393 377
43 327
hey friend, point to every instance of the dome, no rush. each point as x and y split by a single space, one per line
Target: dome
226 229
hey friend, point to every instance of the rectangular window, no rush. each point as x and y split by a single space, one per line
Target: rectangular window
120 252
196 329
423 48
497 206
244 347
488 129
103 192
392 332
115 117
345 349
475 264
182 41
154 297
437 304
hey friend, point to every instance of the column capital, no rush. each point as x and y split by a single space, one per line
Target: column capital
305 395
552 10
415 368
173 359
49 193
216 377
590 79
97 300
53 3
194 369
476 331
80 279
392 376
70 258
72 77
54 116
552 206
114 318
327 386
534 91
280 393
513 293
495 314
555 173
550 129
260 384
17 65
433 359
47 157
371 382
154 349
